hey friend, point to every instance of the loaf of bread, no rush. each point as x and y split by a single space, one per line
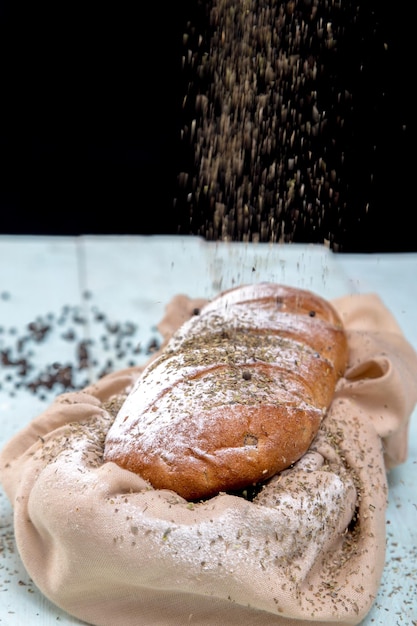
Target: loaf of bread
237 395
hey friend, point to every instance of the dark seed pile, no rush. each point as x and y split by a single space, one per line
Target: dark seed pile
25 362
285 121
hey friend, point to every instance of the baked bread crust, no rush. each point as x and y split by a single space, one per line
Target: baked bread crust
237 395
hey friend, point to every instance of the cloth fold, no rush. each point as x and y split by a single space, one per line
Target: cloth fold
106 547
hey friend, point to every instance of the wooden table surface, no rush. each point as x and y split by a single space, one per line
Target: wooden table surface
109 292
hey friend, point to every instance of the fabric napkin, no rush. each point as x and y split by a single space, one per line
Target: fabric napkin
103 545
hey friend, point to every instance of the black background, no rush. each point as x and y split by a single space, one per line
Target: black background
89 128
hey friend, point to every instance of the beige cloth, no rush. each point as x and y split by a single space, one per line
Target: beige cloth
110 550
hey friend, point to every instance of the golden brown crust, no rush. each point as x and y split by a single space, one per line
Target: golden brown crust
237 395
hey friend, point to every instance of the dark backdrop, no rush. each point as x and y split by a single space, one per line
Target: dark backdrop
89 128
